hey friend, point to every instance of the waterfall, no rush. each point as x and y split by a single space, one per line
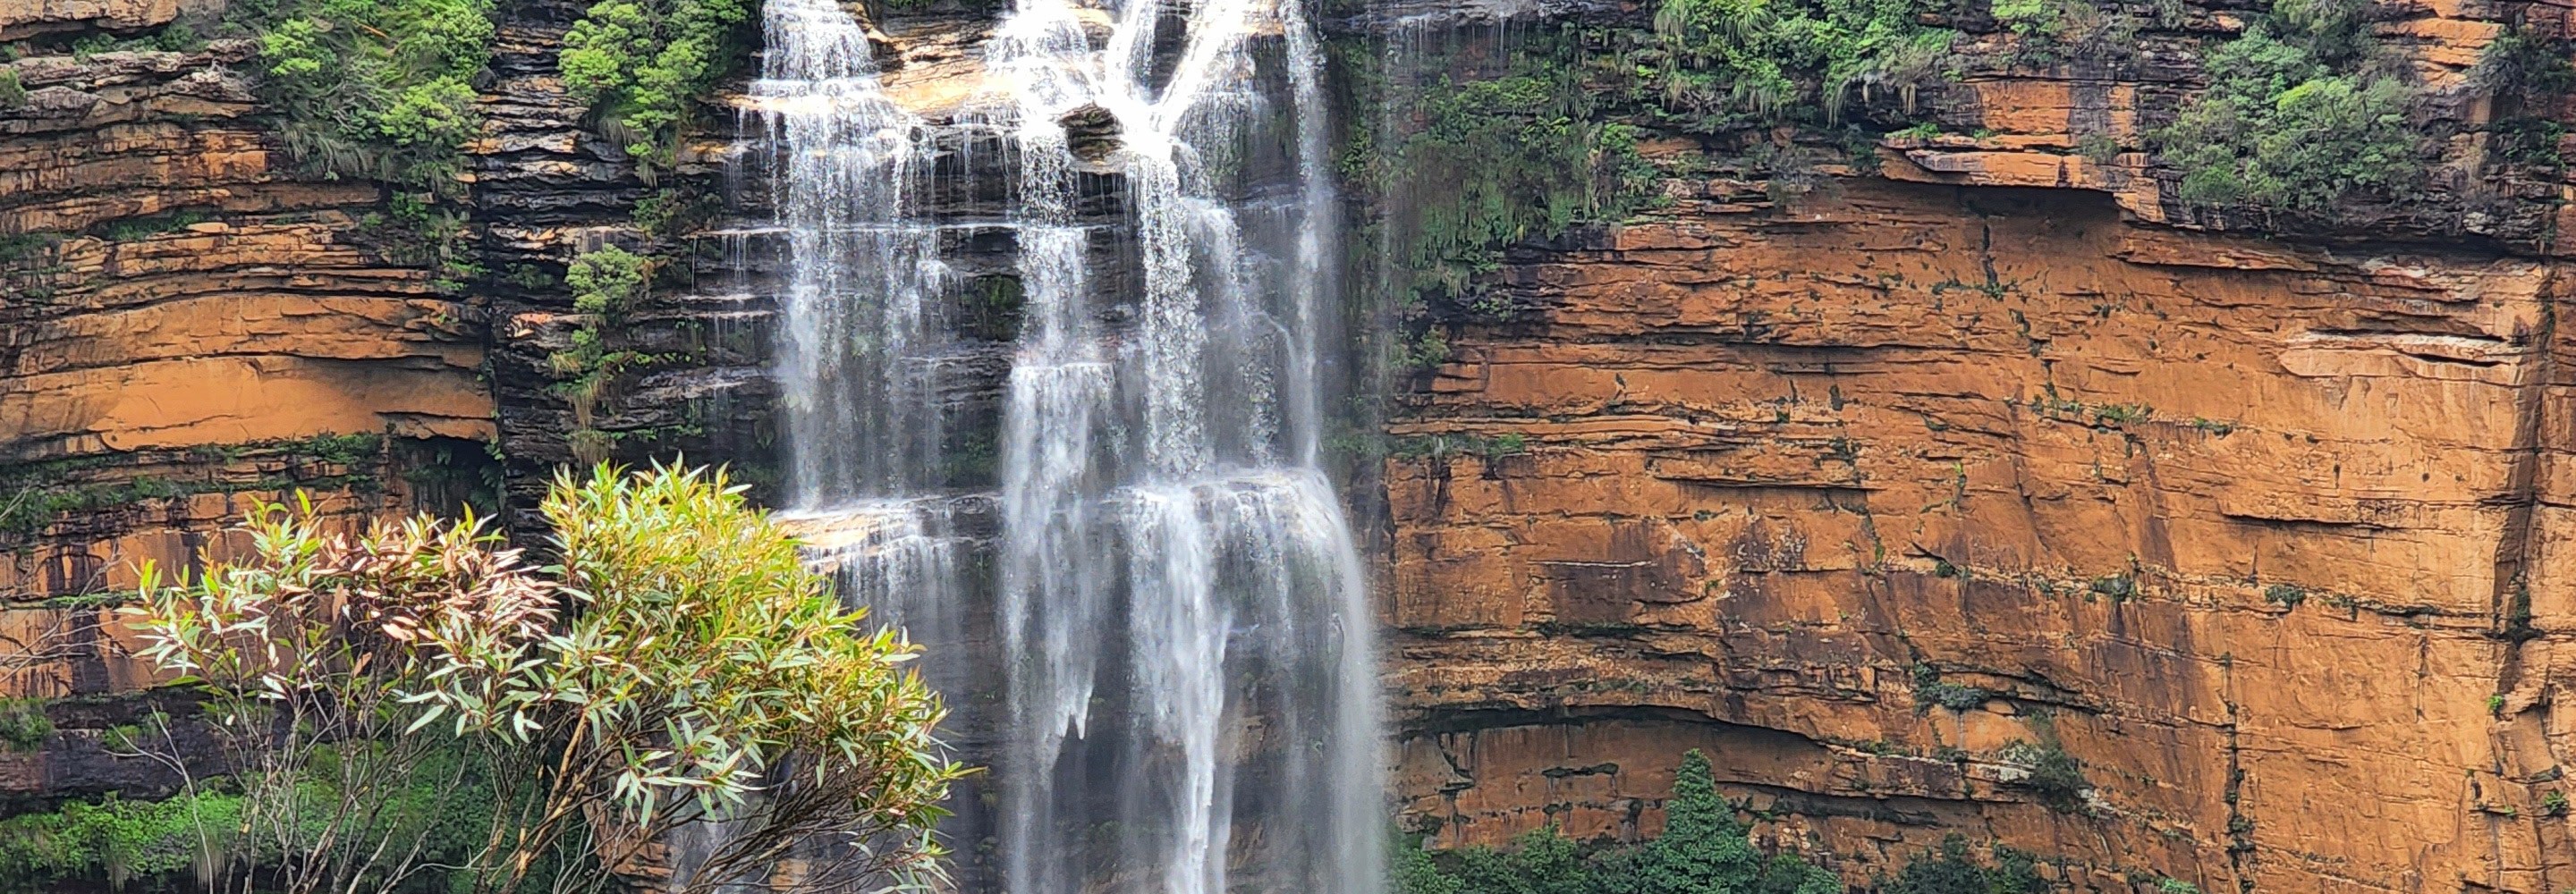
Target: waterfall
1154 605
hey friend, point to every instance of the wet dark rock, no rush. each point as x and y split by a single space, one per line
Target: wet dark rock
1091 132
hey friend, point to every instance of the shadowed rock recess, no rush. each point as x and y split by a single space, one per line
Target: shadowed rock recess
1942 450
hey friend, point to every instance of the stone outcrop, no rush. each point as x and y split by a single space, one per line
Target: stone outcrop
190 321
2003 494
28 18
545 190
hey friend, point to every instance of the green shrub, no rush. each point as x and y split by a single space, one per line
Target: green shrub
32 505
1413 870
1952 870
2525 72
1495 160
1930 690
115 841
2292 119
381 89
703 662
641 64
607 282
672 211
1739 62
13 94
2056 777
179 36
23 724
1494 149
440 802
2117 586
91 45
1423 353
2047 32
1704 849
346 450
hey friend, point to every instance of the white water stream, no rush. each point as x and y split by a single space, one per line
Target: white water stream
1177 655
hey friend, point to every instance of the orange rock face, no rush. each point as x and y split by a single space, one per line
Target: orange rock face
1978 496
189 323
1885 498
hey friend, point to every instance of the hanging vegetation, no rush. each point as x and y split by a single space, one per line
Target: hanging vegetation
641 64
2300 114
381 89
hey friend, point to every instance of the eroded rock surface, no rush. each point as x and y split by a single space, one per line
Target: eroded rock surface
1906 494
193 321
1897 495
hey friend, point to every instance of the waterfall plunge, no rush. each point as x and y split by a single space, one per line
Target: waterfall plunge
1179 665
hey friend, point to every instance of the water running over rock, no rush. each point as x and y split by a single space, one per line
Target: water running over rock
1157 605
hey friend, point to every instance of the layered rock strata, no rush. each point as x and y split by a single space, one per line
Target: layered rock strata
1994 492
2002 493
193 322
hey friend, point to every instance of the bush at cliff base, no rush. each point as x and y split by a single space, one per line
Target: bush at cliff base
417 708
1704 849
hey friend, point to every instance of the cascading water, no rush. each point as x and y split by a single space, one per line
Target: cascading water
1175 645
863 340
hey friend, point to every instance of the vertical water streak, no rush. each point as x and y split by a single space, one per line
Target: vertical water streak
1241 589
861 322
1187 683
1312 276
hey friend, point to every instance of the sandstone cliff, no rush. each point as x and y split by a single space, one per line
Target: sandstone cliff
1994 491
1898 495
190 322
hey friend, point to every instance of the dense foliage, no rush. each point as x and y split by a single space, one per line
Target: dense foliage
1499 158
640 64
412 707
1952 870
2526 71
437 808
1703 850
116 841
704 633
382 89
2297 117
36 494
1729 63
23 724
606 284
1523 140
